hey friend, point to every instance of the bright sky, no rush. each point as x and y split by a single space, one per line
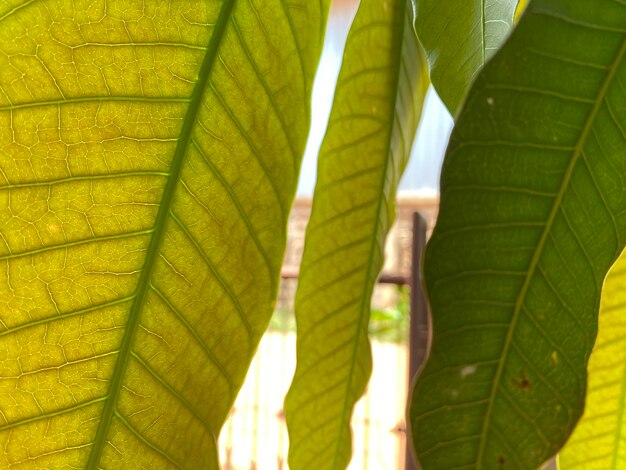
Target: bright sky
422 173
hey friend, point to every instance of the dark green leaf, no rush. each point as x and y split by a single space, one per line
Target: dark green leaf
532 216
459 36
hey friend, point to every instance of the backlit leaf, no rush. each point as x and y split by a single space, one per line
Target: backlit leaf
599 440
376 109
149 154
531 219
520 9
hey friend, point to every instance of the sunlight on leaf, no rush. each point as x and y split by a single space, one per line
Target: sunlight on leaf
379 97
150 154
521 8
599 440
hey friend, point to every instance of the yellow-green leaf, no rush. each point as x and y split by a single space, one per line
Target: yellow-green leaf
521 8
599 440
377 106
149 154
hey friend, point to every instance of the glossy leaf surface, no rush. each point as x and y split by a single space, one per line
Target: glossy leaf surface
599 440
149 157
531 219
375 113
459 36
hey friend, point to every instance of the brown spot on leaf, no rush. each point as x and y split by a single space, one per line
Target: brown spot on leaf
522 382
501 462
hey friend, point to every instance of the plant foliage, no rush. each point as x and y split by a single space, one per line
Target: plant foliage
378 101
149 156
531 219
598 442
460 36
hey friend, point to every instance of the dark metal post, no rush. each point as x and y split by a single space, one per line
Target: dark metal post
418 320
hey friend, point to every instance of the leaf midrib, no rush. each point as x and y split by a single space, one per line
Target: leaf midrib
578 151
163 215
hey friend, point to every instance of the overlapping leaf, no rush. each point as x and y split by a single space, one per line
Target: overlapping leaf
521 7
377 105
149 153
599 440
459 36
532 217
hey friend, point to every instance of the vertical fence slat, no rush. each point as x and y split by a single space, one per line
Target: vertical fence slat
418 319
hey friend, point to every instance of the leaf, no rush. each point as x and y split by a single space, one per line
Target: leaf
520 9
531 219
459 37
150 154
598 442
375 114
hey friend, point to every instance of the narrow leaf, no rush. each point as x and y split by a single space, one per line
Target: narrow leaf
376 109
149 157
531 219
599 440
459 37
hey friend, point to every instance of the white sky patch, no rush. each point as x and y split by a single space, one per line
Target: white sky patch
423 170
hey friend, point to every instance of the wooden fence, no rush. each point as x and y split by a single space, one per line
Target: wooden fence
255 436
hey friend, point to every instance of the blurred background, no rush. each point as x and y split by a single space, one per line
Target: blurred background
255 436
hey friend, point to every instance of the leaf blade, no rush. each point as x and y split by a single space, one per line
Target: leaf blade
459 38
513 272
142 218
375 113
597 442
